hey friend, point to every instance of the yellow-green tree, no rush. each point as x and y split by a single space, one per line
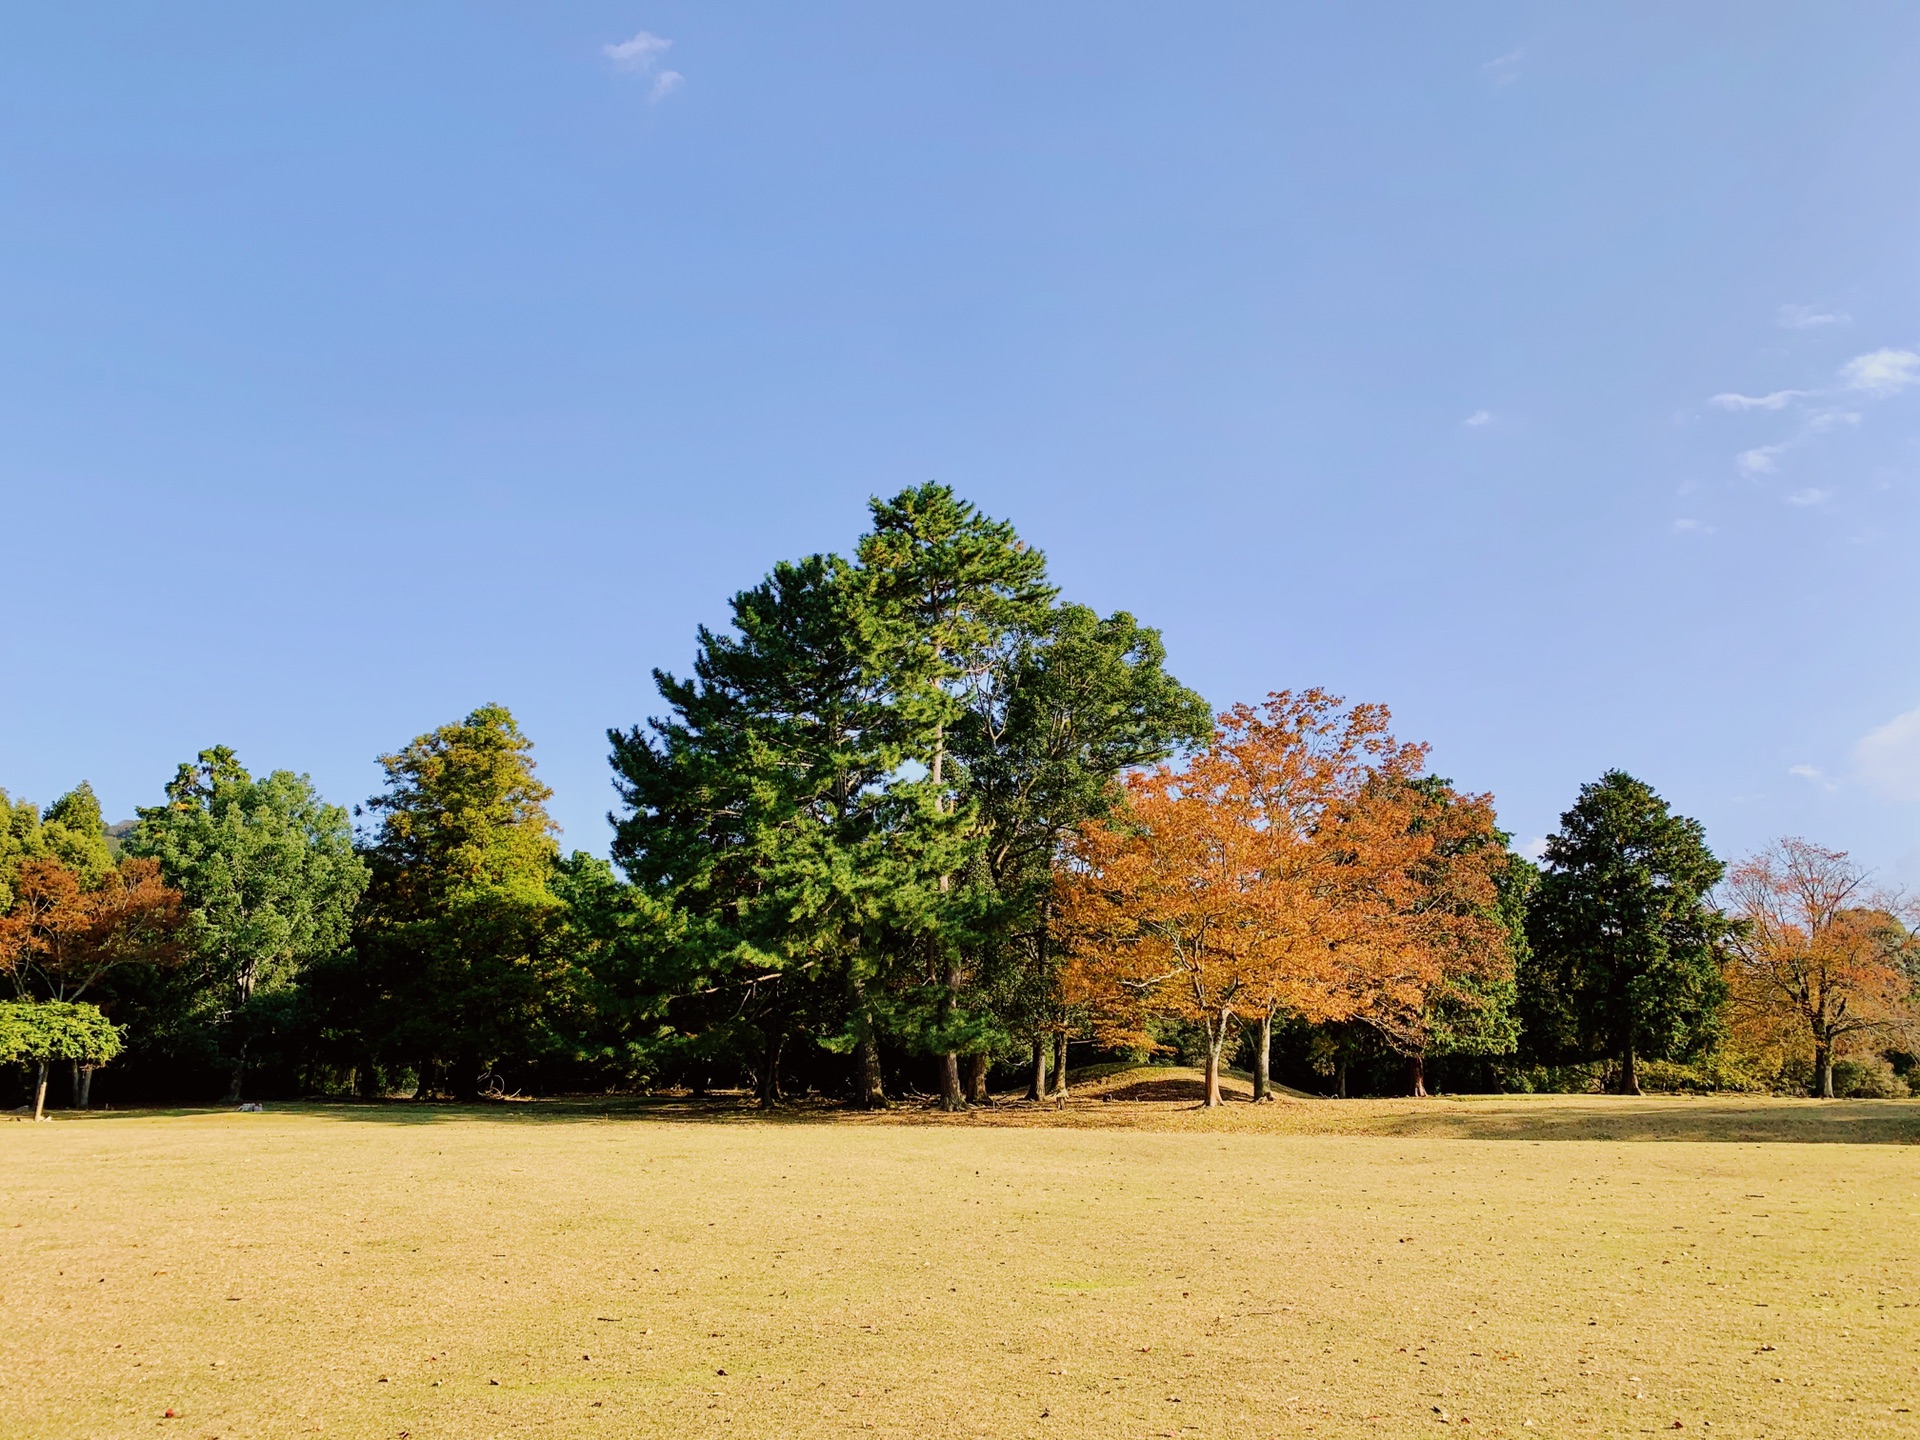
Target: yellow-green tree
457 928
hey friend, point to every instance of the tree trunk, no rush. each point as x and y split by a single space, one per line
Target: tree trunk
1263 1060
1417 1076
239 1075
1823 1068
952 1097
1629 1076
1340 1075
868 1092
86 1086
40 1094
1060 1066
73 1084
767 1081
1216 1039
423 1085
1037 1086
466 1077
977 1066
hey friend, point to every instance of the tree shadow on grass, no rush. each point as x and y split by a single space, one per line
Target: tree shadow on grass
1712 1119
1171 1104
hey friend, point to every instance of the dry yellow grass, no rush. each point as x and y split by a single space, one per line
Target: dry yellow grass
1117 1269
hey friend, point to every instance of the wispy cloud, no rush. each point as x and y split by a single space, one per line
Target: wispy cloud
1881 372
1888 758
1809 496
1809 317
1477 419
642 52
1874 375
1815 774
1777 400
641 56
1504 69
1535 849
1692 527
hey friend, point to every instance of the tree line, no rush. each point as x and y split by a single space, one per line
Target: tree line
914 825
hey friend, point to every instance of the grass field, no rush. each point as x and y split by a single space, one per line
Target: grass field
1123 1267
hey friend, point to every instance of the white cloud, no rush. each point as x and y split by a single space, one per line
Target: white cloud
1759 460
1535 849
1827 419
1478 418
1777 400
1881 372
639 54
1504 69
1809 317
1813 773
1692 527
1889 757
1809 496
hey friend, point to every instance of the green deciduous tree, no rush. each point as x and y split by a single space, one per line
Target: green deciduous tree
1623 929
71 832
40 1032
1071 703
270 880
19 840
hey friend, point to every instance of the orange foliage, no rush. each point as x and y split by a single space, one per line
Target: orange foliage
1818 958
60 937
1426 866
1295 865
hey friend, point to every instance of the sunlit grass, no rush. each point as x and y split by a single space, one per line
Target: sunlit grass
1114 1269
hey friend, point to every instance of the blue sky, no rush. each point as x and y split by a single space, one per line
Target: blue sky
1548 372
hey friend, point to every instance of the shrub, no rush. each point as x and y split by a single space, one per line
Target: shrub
1868 1077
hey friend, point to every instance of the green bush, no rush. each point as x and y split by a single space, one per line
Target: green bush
1869 1077
1717 1073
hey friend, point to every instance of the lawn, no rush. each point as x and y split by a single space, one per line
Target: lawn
1123 1267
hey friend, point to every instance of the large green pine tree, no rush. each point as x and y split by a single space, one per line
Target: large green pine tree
1625 936
960 590
773 813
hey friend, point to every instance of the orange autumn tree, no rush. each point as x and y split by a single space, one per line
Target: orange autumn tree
1818 958
1218 894
1306 764
1436 972
61 936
